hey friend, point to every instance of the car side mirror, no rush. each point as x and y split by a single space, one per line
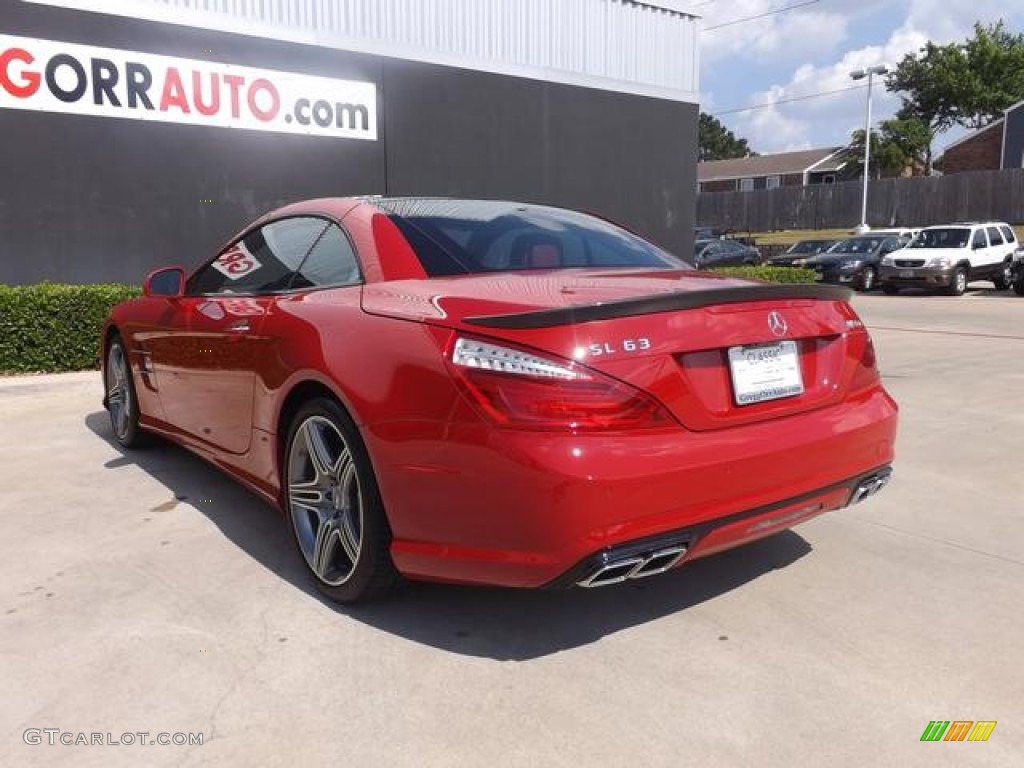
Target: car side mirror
168 283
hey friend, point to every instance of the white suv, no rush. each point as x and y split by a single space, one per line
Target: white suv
949 257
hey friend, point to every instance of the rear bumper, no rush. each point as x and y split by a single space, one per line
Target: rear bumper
842 277
919 277
523 509
648 557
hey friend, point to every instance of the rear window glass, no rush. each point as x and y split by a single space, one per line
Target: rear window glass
467 237
331 262
946 237
857 245
809 246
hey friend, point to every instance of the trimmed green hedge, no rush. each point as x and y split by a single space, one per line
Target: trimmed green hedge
771 274
49 327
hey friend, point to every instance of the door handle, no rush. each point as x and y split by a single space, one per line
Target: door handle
239 326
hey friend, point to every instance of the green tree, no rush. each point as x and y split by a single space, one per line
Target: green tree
882 162
931 85
716 142
995 66
968 84
898 146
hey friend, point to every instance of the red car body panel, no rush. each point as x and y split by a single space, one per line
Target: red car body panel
469 501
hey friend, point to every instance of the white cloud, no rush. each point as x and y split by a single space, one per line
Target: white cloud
831 119
945 20
792 35
788 134
841 112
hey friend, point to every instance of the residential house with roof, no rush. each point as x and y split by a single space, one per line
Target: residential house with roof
997 146
785 169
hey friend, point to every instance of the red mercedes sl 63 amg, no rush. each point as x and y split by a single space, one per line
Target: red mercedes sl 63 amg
499 393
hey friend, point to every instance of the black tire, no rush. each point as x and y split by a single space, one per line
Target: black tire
120 397
889 289
1004 279
867 279
957 282
1018 286
342 532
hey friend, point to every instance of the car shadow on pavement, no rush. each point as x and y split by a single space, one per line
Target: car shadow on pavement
501 624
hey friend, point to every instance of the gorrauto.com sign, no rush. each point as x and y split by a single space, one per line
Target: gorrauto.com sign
48 76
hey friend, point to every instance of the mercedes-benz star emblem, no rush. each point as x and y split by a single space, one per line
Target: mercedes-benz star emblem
778 324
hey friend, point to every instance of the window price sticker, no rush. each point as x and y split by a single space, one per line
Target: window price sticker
237 262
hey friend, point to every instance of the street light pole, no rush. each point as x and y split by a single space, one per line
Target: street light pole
860 74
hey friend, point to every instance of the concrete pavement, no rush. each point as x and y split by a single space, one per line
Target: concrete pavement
146 592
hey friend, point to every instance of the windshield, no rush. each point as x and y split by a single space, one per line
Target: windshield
856 245
809 246
708 233
950 237
456 237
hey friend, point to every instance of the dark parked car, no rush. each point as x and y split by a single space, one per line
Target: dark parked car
798 253
1017 273
718 233
708 254
855 261
711 233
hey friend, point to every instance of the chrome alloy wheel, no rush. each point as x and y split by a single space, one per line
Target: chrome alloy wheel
960 281
1007 276
119 391
324 500
868 280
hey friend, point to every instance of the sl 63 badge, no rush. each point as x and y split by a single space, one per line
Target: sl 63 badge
613 348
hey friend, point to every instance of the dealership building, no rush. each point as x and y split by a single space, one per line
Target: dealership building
137 133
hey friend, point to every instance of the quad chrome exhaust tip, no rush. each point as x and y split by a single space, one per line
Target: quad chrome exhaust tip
870 486
639 561
616 571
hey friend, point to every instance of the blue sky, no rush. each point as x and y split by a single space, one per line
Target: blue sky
813 49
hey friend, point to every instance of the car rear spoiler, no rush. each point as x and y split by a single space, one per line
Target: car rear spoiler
669 302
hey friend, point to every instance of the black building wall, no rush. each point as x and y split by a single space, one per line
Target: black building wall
91 199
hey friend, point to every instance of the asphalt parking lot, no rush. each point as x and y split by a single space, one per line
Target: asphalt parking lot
146 592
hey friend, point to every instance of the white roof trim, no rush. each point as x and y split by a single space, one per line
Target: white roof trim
810 169
747 176
766 175
191 17
1014 108
673 6
1002 148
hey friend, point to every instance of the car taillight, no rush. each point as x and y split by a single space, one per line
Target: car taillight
530 390
866 374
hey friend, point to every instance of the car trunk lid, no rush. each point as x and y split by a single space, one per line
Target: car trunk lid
668 333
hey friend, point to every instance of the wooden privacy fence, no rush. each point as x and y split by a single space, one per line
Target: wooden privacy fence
914 202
